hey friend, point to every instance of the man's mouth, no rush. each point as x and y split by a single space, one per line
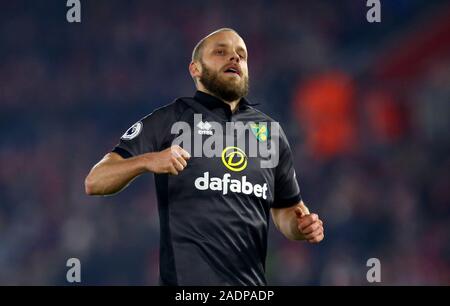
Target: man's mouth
233 70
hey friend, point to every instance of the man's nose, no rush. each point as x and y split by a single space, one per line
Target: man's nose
235 57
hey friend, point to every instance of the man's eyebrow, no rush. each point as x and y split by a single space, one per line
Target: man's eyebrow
226 45
220 45
242 49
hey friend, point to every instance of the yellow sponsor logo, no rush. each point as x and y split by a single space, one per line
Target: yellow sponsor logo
234 159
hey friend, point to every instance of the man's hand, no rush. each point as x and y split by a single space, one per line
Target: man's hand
172 160
309 225
296 223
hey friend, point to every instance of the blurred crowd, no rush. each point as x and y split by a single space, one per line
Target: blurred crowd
365 106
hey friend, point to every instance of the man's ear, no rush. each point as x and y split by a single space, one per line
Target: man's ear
195 69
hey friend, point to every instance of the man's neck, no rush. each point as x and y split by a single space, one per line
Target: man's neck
233 104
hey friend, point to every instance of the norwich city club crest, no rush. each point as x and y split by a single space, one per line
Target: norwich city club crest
260 131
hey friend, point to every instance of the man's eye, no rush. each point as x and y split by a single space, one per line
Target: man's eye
219 51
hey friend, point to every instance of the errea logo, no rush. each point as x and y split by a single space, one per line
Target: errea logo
204 128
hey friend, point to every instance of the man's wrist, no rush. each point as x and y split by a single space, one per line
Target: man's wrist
145 162
295 232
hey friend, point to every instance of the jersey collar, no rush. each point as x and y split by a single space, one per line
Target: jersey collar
212 102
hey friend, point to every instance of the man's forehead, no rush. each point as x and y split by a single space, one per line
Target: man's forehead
225 38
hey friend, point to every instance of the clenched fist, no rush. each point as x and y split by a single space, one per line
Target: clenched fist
309 225
172 160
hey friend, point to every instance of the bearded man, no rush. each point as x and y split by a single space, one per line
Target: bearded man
214 211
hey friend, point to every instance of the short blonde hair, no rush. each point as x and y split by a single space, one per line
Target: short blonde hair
197 52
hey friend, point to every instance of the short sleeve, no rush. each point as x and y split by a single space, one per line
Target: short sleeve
146 135
287 190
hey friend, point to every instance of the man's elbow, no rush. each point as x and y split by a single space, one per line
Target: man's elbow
90 186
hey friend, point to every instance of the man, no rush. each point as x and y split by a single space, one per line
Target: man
214 211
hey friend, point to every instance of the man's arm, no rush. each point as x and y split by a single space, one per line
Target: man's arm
113 173
296 223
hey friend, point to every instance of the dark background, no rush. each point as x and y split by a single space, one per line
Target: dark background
365 105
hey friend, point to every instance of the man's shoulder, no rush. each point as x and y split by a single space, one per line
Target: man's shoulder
168 112
260 115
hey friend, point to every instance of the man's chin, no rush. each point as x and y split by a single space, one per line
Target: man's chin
228 94
227 88
234 83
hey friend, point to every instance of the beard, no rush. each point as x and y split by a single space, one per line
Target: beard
227 90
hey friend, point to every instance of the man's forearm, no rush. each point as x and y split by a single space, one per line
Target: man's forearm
286 221
113 172
297 223
290 226
111 175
